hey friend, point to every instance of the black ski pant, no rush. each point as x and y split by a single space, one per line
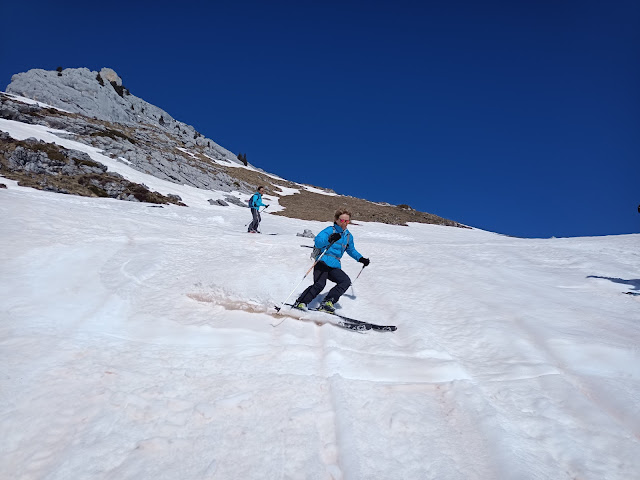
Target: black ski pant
253 226
321 273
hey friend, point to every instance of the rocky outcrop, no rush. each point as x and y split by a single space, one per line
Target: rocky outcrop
307 234
147 148
97 109
47 166
101 96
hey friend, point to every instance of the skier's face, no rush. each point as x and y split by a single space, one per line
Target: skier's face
344 220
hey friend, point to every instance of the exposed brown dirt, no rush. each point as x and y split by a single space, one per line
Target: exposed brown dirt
304 205
307 205
315 206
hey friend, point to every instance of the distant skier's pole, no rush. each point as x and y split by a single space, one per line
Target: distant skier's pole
296 287
259 211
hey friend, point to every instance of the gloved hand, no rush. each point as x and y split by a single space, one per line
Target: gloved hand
364 261
334 237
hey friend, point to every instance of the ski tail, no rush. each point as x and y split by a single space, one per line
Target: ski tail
352 323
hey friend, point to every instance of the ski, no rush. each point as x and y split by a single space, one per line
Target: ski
352 323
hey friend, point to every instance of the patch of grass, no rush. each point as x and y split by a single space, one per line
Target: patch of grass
316 206
114 134
118 88
53 151
87 163
99 192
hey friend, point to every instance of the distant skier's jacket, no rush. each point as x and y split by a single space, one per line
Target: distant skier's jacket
256 201
336 251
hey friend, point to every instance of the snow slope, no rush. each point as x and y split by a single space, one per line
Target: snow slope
136 342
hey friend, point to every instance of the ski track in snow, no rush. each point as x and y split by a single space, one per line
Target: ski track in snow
144 343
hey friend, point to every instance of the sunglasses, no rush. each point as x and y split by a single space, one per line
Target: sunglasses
343 221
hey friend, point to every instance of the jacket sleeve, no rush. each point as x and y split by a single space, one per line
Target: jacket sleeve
351 249
257 203
322 239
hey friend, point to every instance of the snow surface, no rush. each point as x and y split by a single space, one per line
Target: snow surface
30 101
137 342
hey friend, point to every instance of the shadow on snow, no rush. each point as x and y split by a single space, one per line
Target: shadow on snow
634 284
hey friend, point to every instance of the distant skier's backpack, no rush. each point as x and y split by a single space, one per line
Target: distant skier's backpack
250 201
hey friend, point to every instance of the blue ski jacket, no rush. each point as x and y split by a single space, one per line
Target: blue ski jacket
256 201
334 253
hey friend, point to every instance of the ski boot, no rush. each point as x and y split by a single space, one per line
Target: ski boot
300 306
327 307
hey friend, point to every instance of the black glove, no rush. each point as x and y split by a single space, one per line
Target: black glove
334 237
364 261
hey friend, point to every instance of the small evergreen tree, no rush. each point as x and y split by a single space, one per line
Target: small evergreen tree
118 88
59 70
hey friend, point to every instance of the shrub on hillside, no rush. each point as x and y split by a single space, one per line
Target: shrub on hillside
118 88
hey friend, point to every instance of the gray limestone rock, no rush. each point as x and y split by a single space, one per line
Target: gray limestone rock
121 125
102 95
306 233
220 203
235 201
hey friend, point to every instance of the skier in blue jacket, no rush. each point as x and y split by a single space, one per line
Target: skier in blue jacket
334 241
255 203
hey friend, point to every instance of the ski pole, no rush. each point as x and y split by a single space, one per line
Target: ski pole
352 293
259 211
296 287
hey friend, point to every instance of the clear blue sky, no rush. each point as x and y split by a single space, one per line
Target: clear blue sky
518 117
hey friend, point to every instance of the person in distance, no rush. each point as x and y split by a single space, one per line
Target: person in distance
255 202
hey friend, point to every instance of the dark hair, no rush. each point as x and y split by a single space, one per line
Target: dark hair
341 211
260 188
